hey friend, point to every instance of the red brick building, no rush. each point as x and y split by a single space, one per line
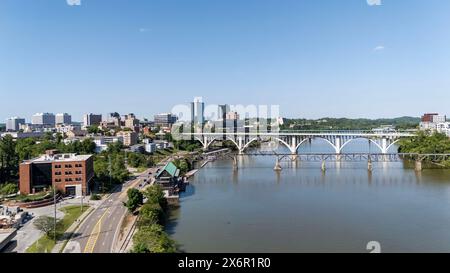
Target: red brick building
70 173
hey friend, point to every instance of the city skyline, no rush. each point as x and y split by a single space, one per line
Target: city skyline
342 59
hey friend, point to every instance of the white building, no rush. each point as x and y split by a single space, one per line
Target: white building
64 128
13 124
43 119
443 127
101 143
63 118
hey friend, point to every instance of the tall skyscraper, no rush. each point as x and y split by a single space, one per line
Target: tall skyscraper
198 111
13 124
43 119
63 118
222 111
91 119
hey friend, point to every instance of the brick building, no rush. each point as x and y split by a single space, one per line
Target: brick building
70 173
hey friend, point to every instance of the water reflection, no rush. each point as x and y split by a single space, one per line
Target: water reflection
302 209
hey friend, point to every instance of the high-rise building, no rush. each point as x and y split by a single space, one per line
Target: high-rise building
222 111
13 124
198 111
91 119
43 119
232 116
63 118
132 122
165 119
114 118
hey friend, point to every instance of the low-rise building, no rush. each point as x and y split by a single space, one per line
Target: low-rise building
101 143
69 173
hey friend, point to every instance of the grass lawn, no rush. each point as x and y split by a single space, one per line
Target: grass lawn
46 244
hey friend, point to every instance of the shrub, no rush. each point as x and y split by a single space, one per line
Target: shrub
153 239
95 197
9 188
150 214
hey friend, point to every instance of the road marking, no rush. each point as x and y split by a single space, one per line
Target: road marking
92 241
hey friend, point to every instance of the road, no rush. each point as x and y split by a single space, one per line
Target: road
97 234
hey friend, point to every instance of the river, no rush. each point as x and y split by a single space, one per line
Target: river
302 209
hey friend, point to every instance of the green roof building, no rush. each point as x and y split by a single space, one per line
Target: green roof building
168 174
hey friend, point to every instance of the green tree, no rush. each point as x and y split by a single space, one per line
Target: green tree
46 224
9 162
155 195
153 239
150 214
135 199
9 188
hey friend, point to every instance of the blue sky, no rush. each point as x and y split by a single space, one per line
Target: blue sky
340 58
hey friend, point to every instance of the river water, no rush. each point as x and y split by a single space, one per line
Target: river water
302 209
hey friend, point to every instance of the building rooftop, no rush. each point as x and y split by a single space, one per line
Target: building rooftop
58 158
171 169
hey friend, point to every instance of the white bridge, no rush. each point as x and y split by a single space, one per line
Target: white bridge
294 139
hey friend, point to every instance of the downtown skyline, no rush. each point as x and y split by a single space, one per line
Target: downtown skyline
311 59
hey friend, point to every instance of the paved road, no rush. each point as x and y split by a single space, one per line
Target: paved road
28 234
98 232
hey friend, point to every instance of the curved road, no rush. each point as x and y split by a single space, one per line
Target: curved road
98 232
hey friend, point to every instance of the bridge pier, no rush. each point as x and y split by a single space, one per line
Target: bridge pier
418 166
235 163
324 166
369 166
277 167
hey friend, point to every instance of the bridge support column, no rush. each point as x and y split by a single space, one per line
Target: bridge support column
235 163
277 165
205 143
337 145
369 166
240 145
418 166
384 145
324 166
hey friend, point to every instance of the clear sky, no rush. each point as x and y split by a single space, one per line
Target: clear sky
315 58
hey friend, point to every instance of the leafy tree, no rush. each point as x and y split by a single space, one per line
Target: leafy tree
9 163
9 188
135 199
150 214
46 224
155 195
25 148
153 239
93 129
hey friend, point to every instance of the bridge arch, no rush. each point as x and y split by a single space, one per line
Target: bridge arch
291 147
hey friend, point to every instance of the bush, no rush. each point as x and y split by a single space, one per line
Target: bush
95 197
9 188
150 214
155 195
153 239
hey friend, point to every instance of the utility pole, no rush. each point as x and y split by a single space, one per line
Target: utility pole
82 199
54 220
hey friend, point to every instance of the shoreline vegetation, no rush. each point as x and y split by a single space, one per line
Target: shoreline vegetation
427 142
150 236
